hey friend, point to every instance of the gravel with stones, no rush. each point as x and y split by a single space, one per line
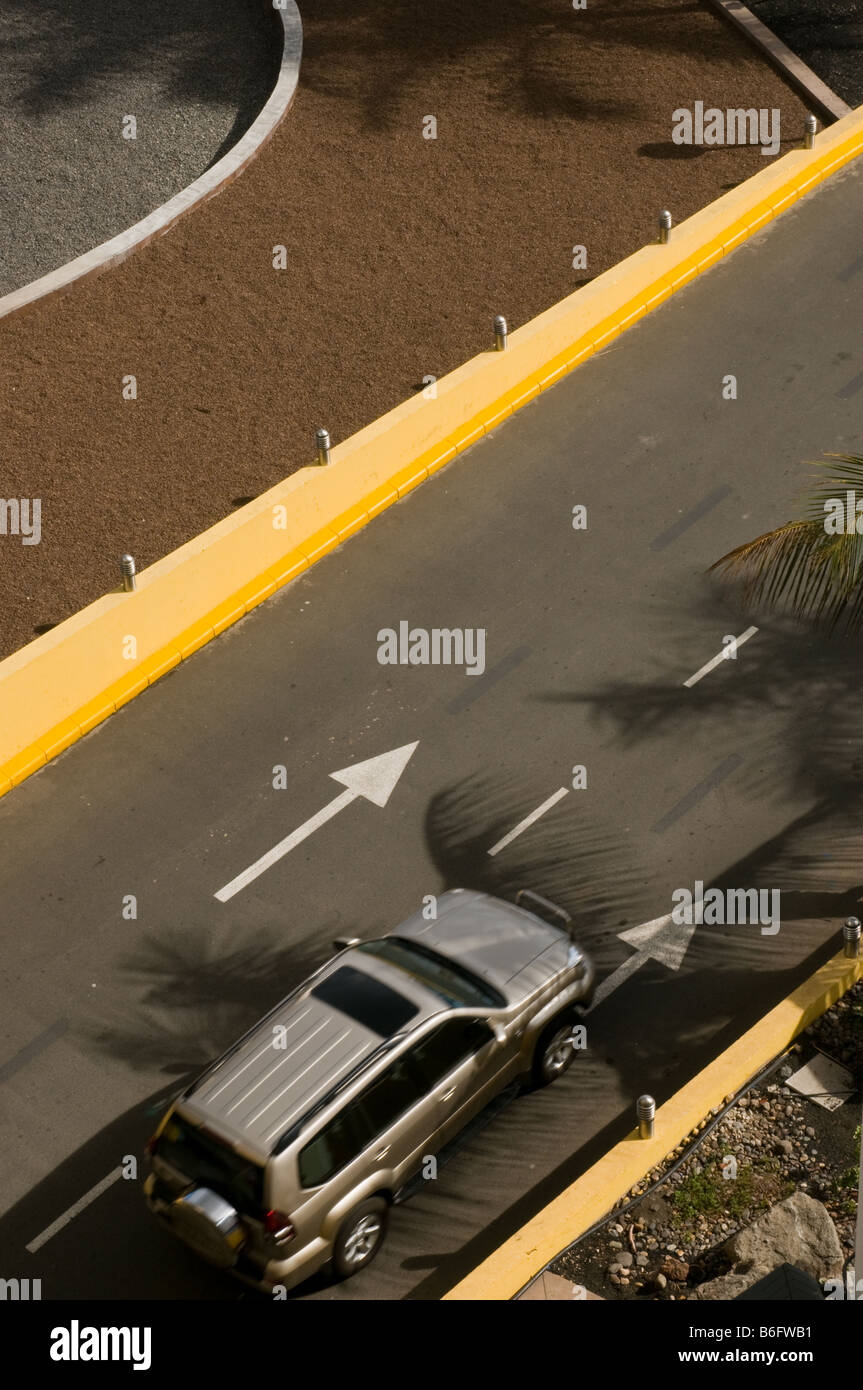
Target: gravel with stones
554 130
194 74
669 1242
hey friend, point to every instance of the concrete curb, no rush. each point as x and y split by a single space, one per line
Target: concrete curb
526 1254
62 685
781 56
212 182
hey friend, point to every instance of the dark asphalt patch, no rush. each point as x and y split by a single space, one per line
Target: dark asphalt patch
483 683
710 501
33 1049
851 269
851 388
719 774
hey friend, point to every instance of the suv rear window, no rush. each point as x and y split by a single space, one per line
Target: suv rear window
201 1157
366 1000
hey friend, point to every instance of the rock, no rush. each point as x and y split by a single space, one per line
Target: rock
675 1269
785 1146
660 1281
797 1231
726 1286
641 1259
625 1260
615 1245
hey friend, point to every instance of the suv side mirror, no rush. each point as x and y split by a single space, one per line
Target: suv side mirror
344 943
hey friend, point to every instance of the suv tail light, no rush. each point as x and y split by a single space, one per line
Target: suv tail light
277 1225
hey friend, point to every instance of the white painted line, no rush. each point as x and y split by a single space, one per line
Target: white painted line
284 847
74 1211
722 656
529 820
208 184
375 779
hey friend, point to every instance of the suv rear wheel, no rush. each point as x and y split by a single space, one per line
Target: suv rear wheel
554 1053
360 1237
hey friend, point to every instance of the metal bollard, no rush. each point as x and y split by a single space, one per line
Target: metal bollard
646 1111
810 126
851 933
664 227
323 441
499 333
127 565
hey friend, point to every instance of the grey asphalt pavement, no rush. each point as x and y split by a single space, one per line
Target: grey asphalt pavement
193 74
748 778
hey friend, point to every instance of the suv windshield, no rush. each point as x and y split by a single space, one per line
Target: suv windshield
451 982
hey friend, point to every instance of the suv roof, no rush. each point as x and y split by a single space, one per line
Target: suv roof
337 1022
515 951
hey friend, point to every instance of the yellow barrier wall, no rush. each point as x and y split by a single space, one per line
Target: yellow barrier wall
59 687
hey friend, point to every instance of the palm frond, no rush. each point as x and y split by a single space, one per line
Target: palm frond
802 567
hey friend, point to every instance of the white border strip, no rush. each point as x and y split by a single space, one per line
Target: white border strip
782 57
210 183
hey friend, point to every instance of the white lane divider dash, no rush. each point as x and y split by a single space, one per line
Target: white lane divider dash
528 821
727 653
73 1211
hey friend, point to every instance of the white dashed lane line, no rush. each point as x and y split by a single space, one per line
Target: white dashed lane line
727 653
74 1211
528 821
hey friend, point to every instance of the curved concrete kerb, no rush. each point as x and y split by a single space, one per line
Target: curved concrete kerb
210 183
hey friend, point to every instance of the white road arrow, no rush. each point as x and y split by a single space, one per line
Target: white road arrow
375 779
662 939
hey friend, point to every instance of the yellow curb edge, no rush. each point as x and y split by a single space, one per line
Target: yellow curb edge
60 686
509 1268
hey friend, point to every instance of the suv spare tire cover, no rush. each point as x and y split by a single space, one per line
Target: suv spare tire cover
210 1225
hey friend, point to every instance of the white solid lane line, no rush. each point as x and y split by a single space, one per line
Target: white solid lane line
722 656
284 847
74 1210
375 779
529 820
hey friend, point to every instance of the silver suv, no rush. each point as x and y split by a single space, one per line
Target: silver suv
286 1154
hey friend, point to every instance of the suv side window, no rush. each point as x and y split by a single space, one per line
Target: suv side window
334 1147
448 1045
393 1093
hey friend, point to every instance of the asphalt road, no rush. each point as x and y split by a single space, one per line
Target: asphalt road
193 74
747 778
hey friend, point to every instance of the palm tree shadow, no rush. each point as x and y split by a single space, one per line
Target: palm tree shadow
809 678
192 995
198 52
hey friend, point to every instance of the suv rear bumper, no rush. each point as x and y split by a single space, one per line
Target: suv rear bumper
256 1270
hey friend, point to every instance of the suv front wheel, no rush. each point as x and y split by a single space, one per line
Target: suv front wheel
360 1237
554 1053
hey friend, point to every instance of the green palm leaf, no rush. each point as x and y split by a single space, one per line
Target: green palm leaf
802 567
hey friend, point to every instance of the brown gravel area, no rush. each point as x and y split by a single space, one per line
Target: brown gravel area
553 130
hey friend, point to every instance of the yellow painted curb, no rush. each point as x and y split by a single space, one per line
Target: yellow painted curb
593 1195
62 685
